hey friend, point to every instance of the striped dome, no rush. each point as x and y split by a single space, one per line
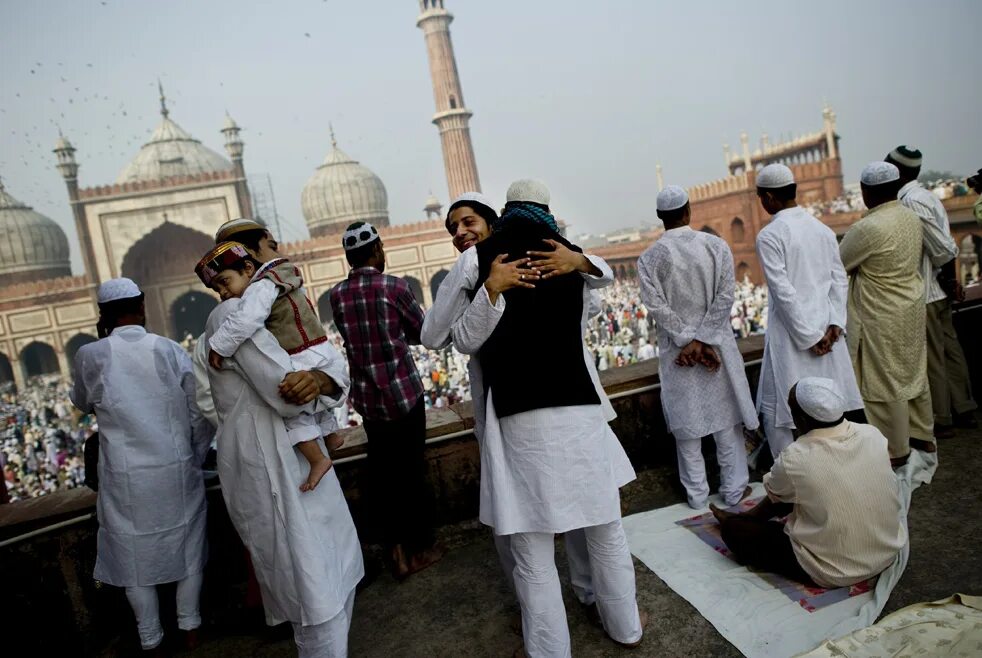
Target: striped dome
32 246
340 192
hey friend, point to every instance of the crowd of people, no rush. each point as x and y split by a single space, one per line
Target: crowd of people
42 438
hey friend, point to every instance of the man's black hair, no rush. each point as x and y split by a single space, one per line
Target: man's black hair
250 238
672 216
786 193
482 211
118 308
821 424
358 257
540 206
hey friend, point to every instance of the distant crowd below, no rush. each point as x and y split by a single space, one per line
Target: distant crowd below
852 199
43 434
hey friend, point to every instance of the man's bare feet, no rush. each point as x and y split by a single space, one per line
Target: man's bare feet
318 469
643 614
720 513
424 559
333 441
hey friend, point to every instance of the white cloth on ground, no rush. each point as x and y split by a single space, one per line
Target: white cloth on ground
304 546
687 283
807 292
152 442
329 639
544 626
731 453
939 246
146 609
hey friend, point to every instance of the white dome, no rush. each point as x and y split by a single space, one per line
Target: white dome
340 192
171 152
32 246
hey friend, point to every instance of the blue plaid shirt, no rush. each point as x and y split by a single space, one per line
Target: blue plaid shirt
378 318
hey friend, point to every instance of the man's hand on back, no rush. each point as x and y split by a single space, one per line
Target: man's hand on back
303 386
561 260
505 276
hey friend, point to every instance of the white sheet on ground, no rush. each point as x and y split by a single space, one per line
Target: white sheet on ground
757 618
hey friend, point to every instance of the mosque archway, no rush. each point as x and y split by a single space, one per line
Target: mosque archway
72 347
436 281
416 287
189 313
742 270
737 230
324 310
6 370
709 229
39 359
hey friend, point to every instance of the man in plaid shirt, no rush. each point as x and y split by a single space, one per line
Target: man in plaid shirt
378 318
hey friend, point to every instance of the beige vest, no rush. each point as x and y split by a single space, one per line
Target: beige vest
292 319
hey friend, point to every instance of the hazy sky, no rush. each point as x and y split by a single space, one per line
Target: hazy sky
587 96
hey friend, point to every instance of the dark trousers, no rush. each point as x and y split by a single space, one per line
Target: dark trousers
400 498
763 545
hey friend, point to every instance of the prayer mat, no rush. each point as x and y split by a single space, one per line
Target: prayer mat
756 612
811 598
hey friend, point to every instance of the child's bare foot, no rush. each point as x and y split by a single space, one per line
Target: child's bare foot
333 441
318 469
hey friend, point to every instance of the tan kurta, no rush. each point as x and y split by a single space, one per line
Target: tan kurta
886 320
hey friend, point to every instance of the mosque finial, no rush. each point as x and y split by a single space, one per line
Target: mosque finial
334 142
163 100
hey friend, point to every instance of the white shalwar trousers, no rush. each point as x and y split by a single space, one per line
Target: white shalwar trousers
537 586
327 640
576 555
731 454
146 608
778 438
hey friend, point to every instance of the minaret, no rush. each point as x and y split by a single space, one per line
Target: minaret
828 117
68 168
234 147
451 116
658 177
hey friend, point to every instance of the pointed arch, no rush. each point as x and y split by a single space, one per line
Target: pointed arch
189 313
737 230
39 358
72 347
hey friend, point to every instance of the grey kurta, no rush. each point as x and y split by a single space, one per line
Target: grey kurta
304 546
687 282
152 441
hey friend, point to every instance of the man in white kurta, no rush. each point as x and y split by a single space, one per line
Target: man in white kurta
551 470
466 318
152 441
687 282
303 545
807 297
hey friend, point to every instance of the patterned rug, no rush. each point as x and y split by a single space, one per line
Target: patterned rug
811 599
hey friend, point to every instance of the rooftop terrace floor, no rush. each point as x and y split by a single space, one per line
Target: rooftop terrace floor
462 607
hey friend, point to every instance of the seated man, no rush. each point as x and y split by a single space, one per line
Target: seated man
836 484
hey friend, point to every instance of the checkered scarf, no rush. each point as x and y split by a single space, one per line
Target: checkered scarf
522 211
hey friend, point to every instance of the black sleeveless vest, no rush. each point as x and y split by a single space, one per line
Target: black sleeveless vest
534 358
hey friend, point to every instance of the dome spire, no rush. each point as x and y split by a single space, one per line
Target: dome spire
163 100
334 141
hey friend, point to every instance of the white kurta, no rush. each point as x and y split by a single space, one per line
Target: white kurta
559 468
202 386
304 546
687 282
152 441
807 291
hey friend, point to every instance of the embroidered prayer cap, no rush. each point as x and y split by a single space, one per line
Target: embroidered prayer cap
906 156
774 176
820 398
528 189
672 197
358 235
116 289
220 257
231 227
470 198
878 173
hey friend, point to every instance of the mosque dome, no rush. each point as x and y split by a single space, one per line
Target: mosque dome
340 192
32 246
171 151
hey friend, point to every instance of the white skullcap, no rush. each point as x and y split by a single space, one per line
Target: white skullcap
820 398
528 189
233 226
672 197
774 176
468 198
358 235
878 173
114 289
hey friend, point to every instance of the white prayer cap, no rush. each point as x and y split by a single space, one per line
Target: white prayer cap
358 235
528 189
878 173
672 197
468 198
114 289
774 176
820 398
233 226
